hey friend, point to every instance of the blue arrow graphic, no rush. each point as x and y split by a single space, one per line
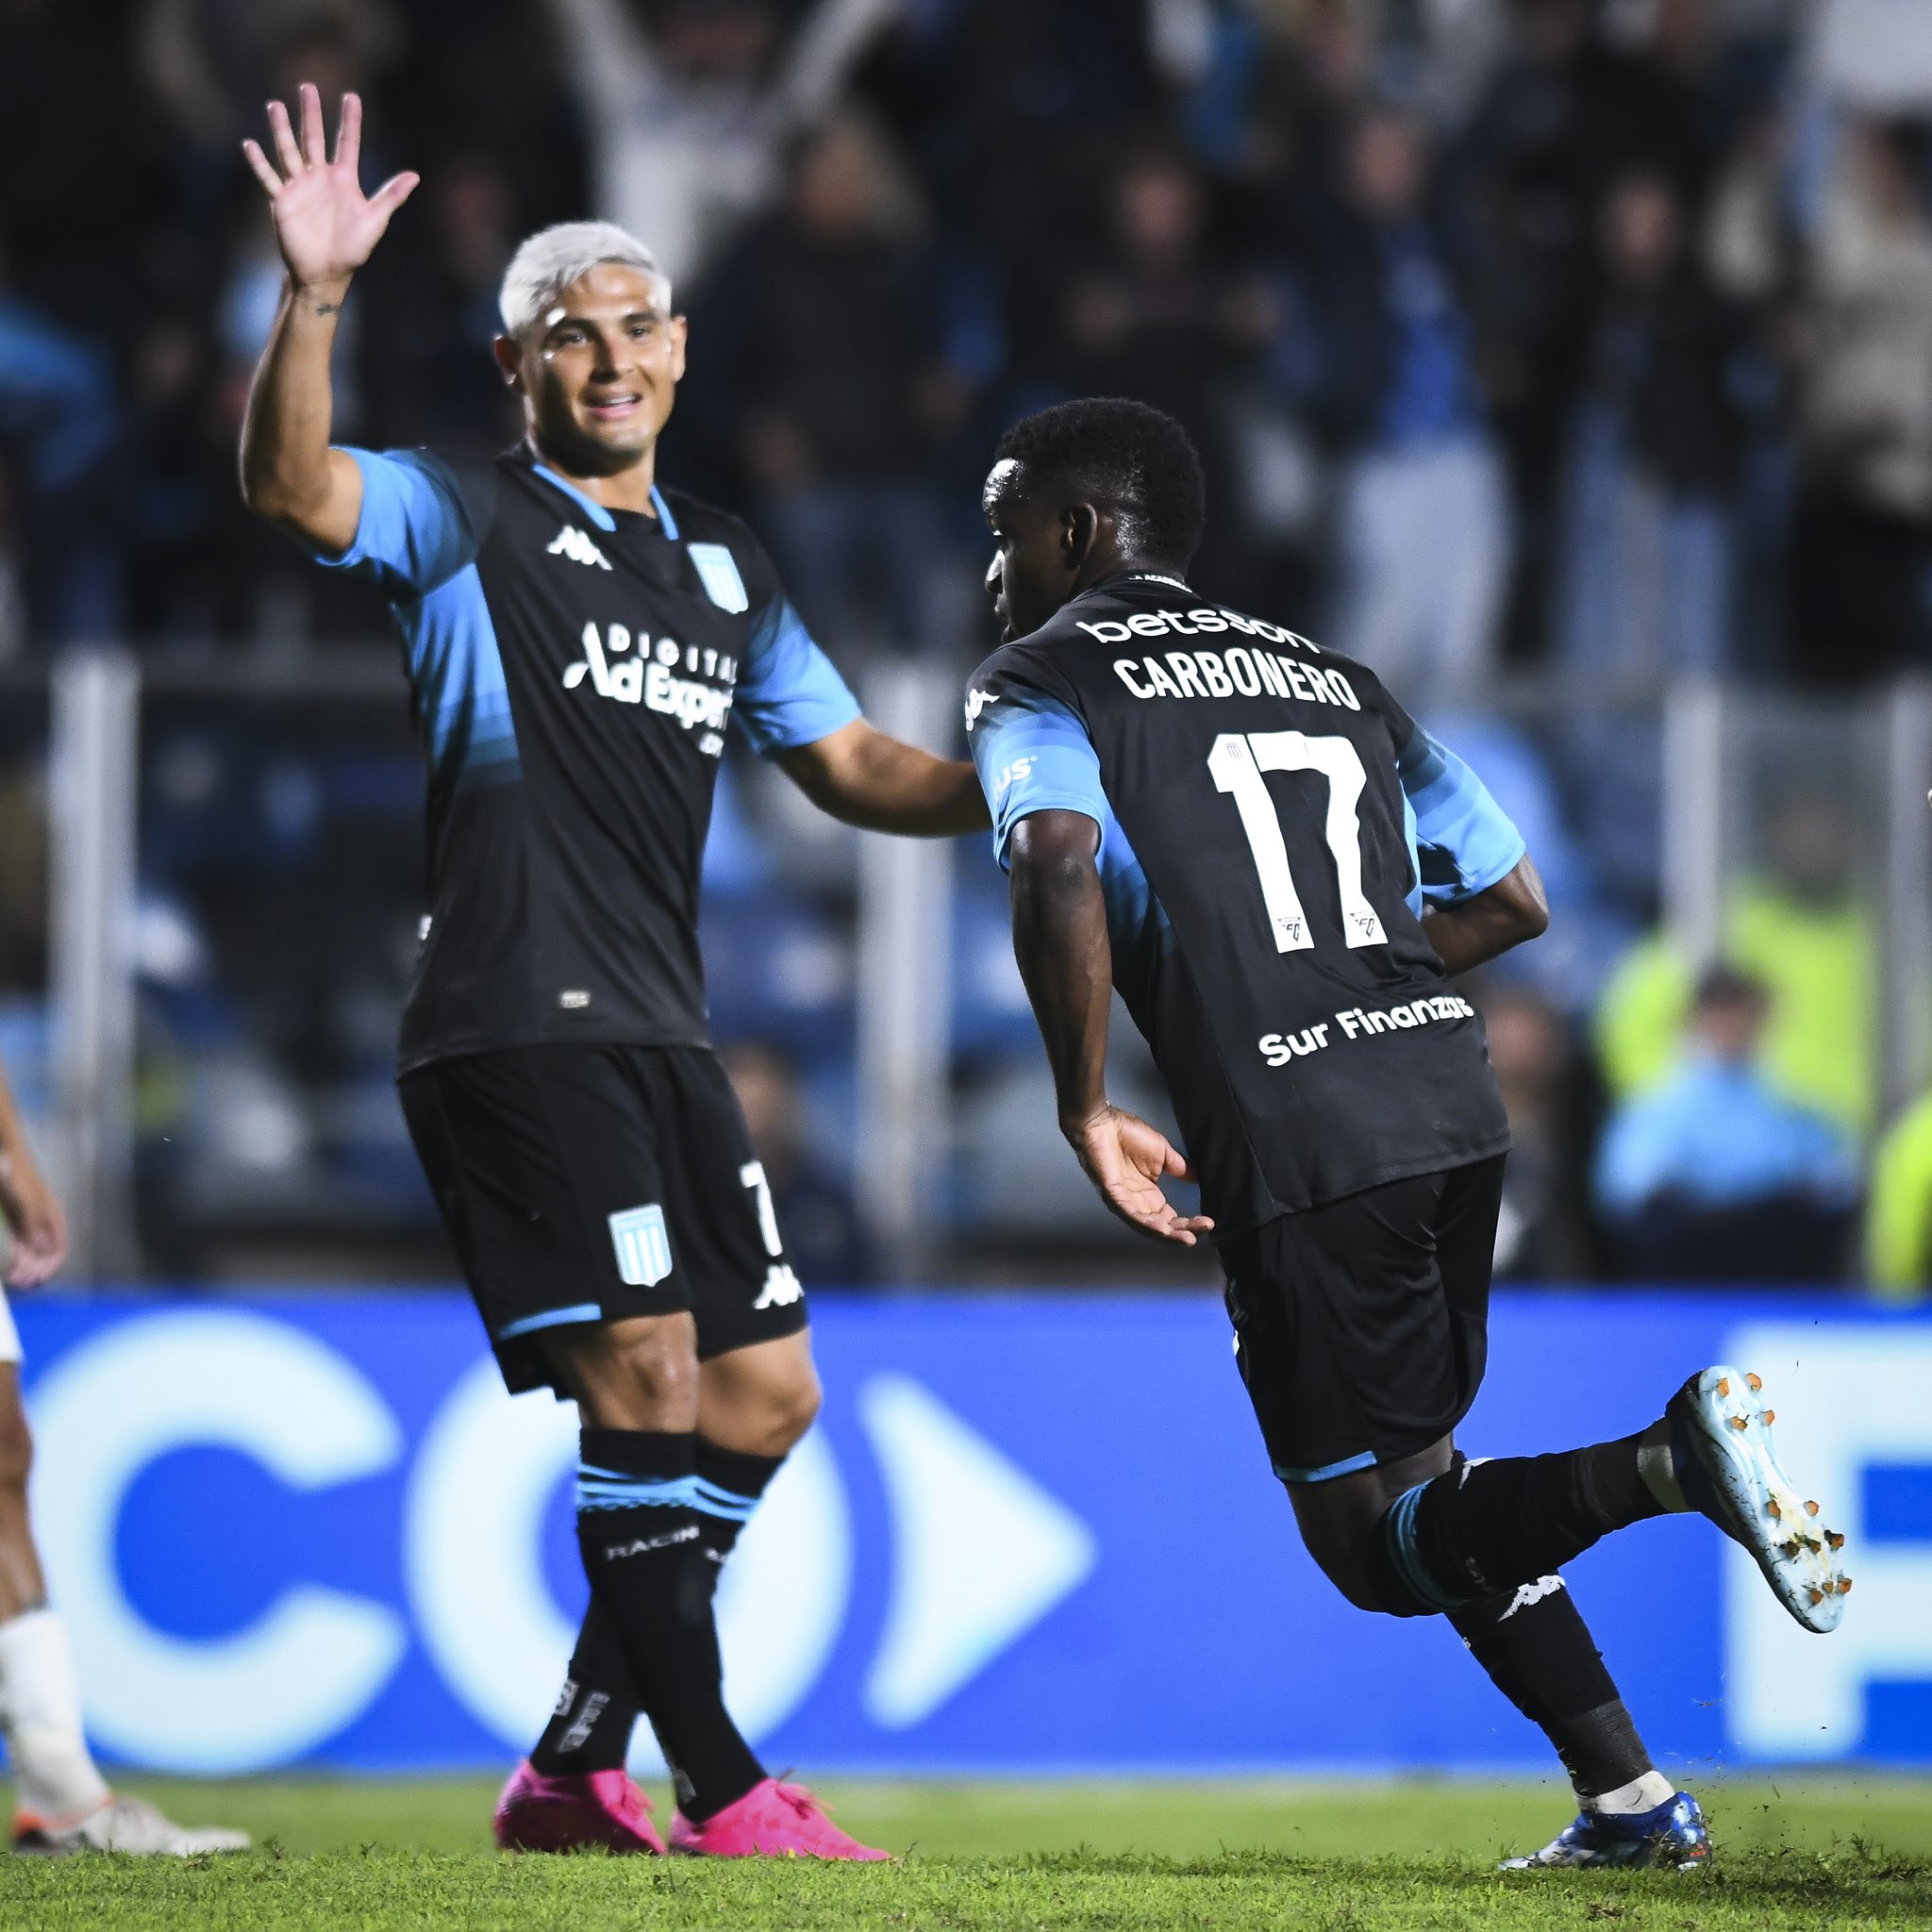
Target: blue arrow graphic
981 1551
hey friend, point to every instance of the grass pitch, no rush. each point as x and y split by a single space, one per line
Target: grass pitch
391 1858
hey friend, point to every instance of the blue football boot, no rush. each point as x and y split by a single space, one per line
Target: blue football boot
1670 1837
1719 1432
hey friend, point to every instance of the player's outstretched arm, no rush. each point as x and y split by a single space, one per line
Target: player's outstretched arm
1478 928
31 1213
326 228
865 778
1059 939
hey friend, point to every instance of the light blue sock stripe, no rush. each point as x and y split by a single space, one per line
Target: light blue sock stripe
1400 1530
628 1499
593 1471
722 1504
610 1488
724 1498
680 1486
734 1498
602 1489
645 1492
605 1489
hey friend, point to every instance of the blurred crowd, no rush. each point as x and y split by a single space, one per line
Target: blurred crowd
1540 352
1586 334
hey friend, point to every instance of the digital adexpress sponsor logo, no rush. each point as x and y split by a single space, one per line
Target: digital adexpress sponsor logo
649 674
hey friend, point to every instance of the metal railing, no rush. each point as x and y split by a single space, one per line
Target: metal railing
1719 749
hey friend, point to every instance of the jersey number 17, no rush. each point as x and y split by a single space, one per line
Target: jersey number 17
1237 763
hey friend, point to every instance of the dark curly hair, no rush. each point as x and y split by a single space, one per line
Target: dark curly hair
1124 457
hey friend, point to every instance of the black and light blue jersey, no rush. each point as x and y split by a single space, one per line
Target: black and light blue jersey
1272 826
573 673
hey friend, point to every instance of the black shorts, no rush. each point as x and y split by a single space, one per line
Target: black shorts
1362 1327
588 1183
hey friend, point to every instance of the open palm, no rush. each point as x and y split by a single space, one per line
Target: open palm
1125 1159
326 226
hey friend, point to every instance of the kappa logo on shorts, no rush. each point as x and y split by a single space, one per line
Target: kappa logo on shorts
643 1245
782 1288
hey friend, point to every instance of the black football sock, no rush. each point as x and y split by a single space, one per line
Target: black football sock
1540 1656
1487 1528
730 1485
597 1709
643 1537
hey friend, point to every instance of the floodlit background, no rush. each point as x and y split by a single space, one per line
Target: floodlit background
1568 360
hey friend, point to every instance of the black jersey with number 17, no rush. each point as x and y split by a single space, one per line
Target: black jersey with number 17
1272 825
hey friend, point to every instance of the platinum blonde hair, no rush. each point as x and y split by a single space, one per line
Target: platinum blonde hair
551 258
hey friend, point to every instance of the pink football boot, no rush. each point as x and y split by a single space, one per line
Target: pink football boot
559 1815
771 1820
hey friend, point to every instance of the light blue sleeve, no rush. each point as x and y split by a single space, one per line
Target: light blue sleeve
789 691
414 532
1032 753
1465 840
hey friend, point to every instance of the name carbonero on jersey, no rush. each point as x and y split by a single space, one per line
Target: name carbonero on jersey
1219 673
636 670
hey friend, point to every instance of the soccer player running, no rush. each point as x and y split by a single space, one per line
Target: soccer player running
576 641
1281 872
64 1804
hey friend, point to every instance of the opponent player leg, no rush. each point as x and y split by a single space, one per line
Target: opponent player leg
64 1802
40 1699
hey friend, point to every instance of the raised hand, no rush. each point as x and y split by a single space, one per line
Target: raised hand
1125 1159
325 226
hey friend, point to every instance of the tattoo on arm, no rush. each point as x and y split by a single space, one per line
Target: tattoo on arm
327 308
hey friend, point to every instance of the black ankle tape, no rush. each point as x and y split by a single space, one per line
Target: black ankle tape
1600 1749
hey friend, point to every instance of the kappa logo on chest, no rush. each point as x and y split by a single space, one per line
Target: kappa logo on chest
572 543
